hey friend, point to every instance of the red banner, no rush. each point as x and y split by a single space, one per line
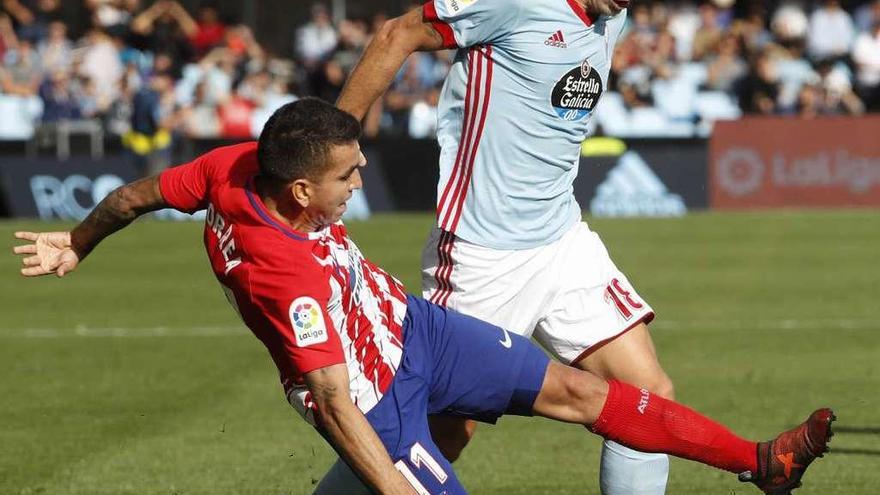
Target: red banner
783 162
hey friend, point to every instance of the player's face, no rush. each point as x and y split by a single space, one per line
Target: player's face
338 183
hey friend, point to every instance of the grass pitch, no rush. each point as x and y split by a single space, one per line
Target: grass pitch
134 376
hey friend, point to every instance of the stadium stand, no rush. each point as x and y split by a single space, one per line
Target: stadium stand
680 67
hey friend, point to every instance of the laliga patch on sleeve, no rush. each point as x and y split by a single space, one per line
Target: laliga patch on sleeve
455 6
307 321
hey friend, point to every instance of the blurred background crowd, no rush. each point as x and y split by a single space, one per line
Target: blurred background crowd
148 72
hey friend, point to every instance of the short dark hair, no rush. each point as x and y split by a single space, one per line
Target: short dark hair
296 141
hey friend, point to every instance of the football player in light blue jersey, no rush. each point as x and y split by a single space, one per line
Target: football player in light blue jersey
509 245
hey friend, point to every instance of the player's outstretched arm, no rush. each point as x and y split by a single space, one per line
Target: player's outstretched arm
383 58
61 252
351 434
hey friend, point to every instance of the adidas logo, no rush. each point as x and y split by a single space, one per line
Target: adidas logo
633 189
556 40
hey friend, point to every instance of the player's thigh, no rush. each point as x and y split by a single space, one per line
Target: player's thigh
594 301
503 287
631 358
480 371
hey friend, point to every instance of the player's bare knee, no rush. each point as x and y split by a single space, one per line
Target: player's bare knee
585 389
662 385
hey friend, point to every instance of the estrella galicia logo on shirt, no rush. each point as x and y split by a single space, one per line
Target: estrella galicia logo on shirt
577 92
308 322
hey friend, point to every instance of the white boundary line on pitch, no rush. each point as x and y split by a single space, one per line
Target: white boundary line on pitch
781 324
222 331
160 331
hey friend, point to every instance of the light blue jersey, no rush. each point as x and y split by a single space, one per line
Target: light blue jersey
513 114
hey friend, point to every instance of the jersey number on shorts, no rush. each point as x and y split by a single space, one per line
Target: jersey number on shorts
622 299
417 456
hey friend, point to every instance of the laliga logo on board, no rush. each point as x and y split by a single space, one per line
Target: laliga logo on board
740 171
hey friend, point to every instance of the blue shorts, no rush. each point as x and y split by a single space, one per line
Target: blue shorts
452 364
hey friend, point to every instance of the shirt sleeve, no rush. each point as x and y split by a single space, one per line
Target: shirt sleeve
464 23
185 187
302 318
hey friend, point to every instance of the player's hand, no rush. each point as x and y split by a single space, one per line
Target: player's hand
50 252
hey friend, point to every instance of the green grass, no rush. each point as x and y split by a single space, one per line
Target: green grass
761 318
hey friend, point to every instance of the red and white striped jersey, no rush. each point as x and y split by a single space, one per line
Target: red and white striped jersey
311 298
514 110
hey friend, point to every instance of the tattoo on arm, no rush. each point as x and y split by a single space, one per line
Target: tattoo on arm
118 209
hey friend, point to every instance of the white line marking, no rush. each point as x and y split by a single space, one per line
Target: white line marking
784 324
224 331
160 331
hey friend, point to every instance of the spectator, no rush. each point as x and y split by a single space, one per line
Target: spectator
157 30
831 32
249 54
21 73
112 15
866 57
760 89
235 117
205 32
219 74
32 17
8 39
838 97
724 13
867 16
752 30
152 120
789 24
709 35
809 101
59 99
200 119
56 51
727 67
101 65
316 39
423 116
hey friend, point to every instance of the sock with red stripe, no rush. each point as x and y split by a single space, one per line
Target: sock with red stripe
650 423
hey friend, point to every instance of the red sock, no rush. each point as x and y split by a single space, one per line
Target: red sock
650 423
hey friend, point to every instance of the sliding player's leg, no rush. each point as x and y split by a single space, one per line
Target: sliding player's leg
646 422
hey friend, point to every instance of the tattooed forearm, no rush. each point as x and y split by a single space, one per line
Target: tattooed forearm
117 210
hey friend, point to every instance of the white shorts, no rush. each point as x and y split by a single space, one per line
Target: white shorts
568 294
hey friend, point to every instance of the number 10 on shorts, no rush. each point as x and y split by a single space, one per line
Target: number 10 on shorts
621 299
420 457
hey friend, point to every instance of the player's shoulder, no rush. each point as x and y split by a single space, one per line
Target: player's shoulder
236 159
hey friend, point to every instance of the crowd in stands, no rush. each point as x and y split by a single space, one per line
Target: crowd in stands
150 71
